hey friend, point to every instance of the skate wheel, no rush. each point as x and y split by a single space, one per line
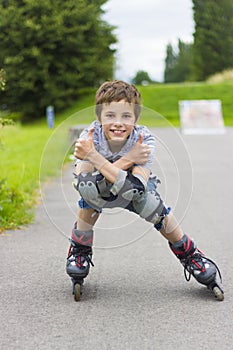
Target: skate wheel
77 292
218 293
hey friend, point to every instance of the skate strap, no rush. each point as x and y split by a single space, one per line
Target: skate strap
198 258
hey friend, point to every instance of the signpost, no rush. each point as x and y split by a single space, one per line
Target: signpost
50 116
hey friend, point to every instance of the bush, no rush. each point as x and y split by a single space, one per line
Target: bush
13 207
224 76
51 49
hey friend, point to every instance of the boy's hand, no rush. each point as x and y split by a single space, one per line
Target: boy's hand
140 152
84 147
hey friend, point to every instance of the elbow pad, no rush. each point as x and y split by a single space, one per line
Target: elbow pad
129 186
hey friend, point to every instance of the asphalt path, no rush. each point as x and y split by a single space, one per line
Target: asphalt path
136 296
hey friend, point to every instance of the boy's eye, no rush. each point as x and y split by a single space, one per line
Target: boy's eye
127 116
109 115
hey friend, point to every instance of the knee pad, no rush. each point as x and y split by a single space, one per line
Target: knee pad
99 194
89 186
151 208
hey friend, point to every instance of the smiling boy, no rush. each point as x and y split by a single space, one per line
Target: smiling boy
113 169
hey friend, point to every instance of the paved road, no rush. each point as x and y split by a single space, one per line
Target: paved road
136 296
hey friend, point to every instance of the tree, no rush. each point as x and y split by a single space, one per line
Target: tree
178 64
184 62
2 80
170 62
213 37
141 78
50 49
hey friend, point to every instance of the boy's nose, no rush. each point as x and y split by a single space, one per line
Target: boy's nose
118 121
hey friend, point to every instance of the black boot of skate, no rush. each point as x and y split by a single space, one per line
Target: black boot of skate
79 259
197 265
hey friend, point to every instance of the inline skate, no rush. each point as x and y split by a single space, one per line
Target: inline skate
77 267
196 264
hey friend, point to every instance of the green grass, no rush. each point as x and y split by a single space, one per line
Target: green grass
161 101
32 153
164 99
21 149
29 155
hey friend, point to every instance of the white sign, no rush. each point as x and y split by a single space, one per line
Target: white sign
201 117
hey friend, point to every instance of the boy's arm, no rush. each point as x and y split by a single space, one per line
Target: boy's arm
92 159
142 171
138 154
84 149
123 163
83 167
107 169
110 171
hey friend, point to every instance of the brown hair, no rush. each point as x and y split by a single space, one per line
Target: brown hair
117 90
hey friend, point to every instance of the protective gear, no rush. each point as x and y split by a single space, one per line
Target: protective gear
99 194
194 261
89 186
78 261
151 207
129 186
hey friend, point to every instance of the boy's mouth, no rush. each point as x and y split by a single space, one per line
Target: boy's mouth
117 132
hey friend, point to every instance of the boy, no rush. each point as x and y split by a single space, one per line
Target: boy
114 157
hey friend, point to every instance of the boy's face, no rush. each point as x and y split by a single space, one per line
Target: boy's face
117 120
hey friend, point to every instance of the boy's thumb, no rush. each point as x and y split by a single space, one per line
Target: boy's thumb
141 137
90 134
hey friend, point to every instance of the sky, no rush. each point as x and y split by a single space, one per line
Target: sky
144 28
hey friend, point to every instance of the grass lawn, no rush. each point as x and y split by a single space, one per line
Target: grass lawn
164 98
31 153
21 149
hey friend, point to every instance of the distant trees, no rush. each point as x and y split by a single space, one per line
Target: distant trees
51 49
178 63
212 49
141 78
213 37
2 80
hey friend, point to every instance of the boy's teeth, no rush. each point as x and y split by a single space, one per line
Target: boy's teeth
117 131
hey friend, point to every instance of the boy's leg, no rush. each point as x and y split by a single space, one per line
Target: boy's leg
194 261
80 250
86 218
152 208
171 230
